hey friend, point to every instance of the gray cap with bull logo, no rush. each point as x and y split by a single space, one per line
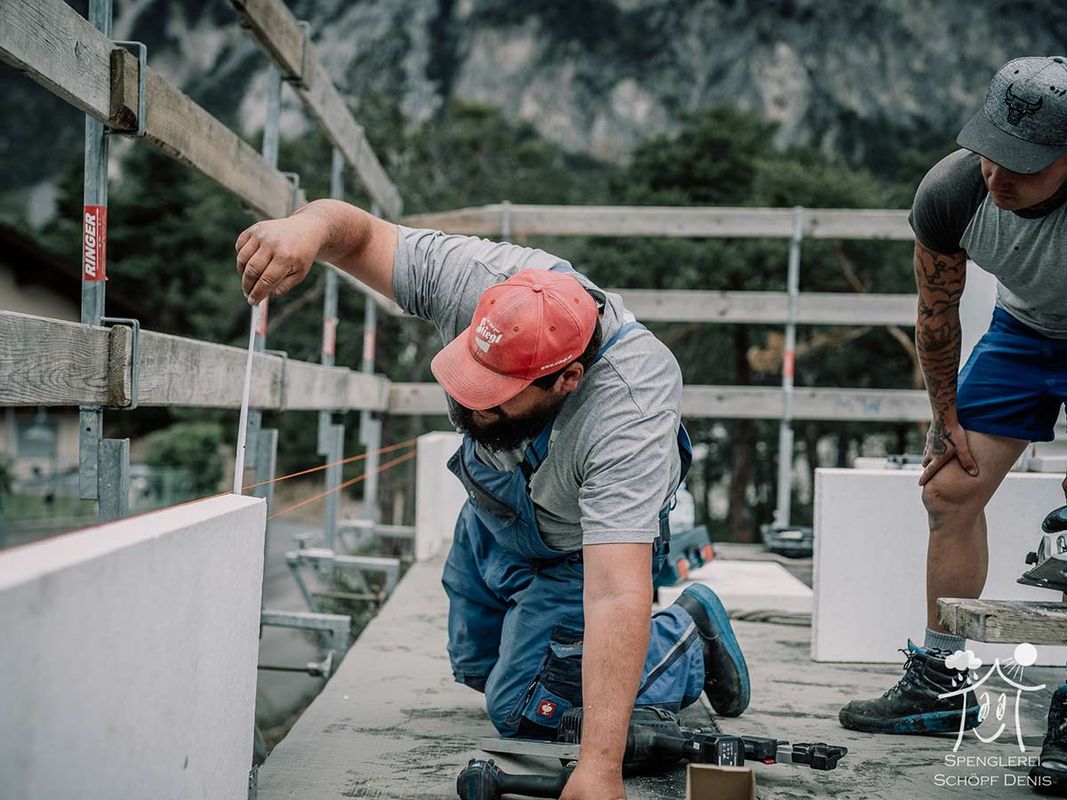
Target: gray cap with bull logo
1023 124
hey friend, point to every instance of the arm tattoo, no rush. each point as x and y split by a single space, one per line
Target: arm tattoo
938 439
940 280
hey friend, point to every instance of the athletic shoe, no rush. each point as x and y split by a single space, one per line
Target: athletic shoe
913 705
725 673
1049 775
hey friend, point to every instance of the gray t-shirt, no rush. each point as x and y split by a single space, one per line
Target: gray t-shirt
1025 250
612 460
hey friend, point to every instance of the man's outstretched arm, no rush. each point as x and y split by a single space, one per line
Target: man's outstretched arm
275 255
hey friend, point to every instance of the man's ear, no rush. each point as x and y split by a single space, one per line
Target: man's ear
571 377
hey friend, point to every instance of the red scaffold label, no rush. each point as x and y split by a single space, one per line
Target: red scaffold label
787 364
329 336
261 327
94 242
369 342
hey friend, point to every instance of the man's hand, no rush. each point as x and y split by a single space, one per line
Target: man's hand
594 783
275 255
944 443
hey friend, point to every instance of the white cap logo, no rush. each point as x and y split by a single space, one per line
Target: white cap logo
486 335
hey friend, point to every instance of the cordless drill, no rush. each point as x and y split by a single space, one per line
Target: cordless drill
655 740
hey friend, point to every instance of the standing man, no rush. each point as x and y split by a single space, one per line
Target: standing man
1002 202
573 449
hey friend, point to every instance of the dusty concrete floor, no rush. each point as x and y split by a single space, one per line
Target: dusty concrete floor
392 724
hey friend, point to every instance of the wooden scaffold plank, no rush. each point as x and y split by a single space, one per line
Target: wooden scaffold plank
186 132
58 48
733 402
771 308
52 44
286 42
667 221
1008 621
52 362
49 362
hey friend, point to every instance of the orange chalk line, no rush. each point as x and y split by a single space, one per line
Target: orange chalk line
345 484
348 460
223 494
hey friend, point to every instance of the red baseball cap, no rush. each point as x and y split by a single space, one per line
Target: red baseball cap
533 324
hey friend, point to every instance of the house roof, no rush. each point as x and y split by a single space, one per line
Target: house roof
35 265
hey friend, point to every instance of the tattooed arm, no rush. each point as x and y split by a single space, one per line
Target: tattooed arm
940 279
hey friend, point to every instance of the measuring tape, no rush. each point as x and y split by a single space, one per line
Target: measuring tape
242 429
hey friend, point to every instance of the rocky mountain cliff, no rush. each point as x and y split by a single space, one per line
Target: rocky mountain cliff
856 79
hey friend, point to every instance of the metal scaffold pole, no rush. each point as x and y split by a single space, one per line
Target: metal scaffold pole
103 464
331 435
785 427
370 426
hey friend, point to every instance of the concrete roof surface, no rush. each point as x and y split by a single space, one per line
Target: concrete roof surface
391 723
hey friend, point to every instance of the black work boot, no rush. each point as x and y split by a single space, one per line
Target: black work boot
1049 776
912 705
726 680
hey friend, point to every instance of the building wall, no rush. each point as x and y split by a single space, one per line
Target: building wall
24 466
129 657
871 534
34 299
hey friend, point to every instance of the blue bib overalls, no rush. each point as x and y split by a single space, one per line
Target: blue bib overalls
516 619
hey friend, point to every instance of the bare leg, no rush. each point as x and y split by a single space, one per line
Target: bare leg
958 556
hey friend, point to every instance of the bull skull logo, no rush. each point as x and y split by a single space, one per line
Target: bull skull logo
1018 107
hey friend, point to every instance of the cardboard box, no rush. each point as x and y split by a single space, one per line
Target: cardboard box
710 782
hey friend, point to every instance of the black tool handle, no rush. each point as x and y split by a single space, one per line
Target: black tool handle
484 780
818 755
1055 521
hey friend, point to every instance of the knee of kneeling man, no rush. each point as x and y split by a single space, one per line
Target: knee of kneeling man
501 710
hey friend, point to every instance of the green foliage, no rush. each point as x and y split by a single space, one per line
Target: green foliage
474 155
191 446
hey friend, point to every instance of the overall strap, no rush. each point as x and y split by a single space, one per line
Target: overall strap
619 334
538 448
536 452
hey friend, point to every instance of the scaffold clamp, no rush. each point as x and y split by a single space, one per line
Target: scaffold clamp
142 81
301 81
135 355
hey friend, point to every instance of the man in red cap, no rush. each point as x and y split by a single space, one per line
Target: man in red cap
572 452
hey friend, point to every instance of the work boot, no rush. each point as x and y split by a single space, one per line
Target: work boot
725 672
912 705
1049 775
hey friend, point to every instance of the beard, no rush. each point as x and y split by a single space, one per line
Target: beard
507 433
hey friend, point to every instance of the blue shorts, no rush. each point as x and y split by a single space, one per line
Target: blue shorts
1014 383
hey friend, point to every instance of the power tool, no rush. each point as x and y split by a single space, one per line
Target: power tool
1050 558
656 740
